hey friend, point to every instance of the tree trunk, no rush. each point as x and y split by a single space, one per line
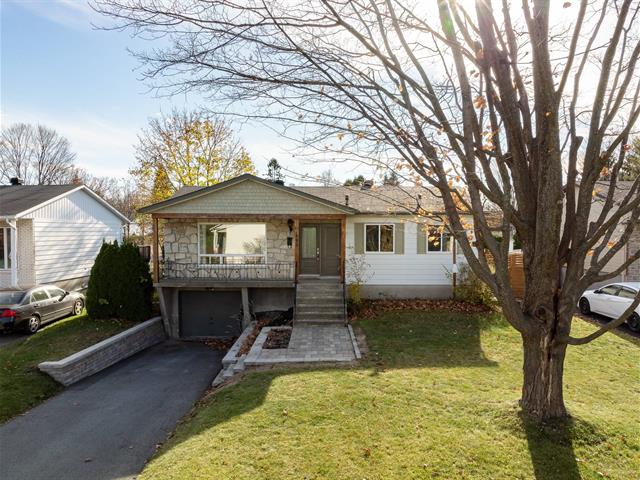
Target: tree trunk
543 371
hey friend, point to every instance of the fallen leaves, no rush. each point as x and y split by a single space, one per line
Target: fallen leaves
373 308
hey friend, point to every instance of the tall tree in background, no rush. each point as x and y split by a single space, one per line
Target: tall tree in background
520 104
187 148
274 171
36 154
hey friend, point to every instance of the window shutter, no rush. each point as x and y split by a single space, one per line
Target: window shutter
422 240
358 237
399 238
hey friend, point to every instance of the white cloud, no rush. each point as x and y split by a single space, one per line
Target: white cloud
76 14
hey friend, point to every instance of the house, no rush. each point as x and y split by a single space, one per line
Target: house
254 245
632 272
52 233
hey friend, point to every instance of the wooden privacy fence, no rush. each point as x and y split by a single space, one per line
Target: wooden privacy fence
516 273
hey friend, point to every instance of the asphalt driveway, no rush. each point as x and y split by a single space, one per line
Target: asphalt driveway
107 426
9 338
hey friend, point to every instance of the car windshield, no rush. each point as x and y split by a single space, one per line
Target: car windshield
11 298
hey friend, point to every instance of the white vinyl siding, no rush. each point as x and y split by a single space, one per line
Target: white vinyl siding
68 234
408 269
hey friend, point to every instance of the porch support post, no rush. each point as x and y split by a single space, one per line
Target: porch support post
14 252
343 248
156 258
246 313
296 246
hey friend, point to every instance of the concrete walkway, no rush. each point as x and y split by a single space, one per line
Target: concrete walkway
107 426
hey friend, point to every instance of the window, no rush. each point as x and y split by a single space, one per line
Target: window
55 292
438 240
309 242
38 296
626 292
232 243
610 289
379 238
5 248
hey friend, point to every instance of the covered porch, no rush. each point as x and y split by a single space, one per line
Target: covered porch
246 250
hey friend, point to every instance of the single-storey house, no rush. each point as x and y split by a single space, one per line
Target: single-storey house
52 234
254 245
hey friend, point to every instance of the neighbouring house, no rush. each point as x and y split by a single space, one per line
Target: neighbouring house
52 233
623 189
251 245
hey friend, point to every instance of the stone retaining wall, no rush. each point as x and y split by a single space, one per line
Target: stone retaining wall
97 357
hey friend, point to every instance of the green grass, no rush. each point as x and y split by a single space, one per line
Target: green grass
22 385
436 398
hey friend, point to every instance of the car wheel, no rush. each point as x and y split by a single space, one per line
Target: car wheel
78 306
585 308
33 324
634 322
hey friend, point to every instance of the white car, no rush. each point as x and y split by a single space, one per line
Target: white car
611 301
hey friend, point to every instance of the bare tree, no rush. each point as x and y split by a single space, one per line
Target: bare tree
15 152
35 154
52 158
518 105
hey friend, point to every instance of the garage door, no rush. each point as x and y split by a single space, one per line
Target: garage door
210 314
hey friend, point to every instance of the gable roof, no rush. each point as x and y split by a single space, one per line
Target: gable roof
189 193
380 199
17 200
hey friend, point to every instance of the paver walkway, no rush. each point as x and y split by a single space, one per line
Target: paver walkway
309 343
108 425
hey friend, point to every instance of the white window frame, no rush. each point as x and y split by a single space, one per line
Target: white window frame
451 240
7 247
393 240
221 256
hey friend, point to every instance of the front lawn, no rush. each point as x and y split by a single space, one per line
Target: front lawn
22 385
436 398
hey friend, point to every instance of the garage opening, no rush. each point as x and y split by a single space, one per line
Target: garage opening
210 314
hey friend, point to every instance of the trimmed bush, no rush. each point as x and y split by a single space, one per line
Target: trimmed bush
471 289
120 284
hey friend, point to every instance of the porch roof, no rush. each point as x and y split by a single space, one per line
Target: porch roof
285 200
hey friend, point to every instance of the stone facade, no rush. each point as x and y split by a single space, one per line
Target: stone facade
181 241
277 250
633 272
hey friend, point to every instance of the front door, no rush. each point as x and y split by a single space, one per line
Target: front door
320 249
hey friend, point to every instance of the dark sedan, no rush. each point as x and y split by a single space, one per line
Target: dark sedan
28 309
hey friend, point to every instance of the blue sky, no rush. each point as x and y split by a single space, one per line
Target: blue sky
56 69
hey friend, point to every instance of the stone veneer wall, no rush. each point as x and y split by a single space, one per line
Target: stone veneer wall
181 241
97 357
633 272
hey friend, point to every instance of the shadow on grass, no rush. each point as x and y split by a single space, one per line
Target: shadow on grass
552 446
404 340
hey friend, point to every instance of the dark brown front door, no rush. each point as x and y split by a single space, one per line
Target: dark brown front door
320 249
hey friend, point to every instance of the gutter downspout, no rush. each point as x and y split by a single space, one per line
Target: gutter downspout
13 224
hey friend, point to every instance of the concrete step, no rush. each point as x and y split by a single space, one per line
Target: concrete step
313 309
320 285
320 321
316 316
321 303
319 300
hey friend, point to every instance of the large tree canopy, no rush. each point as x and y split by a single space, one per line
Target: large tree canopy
520 104
187 148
